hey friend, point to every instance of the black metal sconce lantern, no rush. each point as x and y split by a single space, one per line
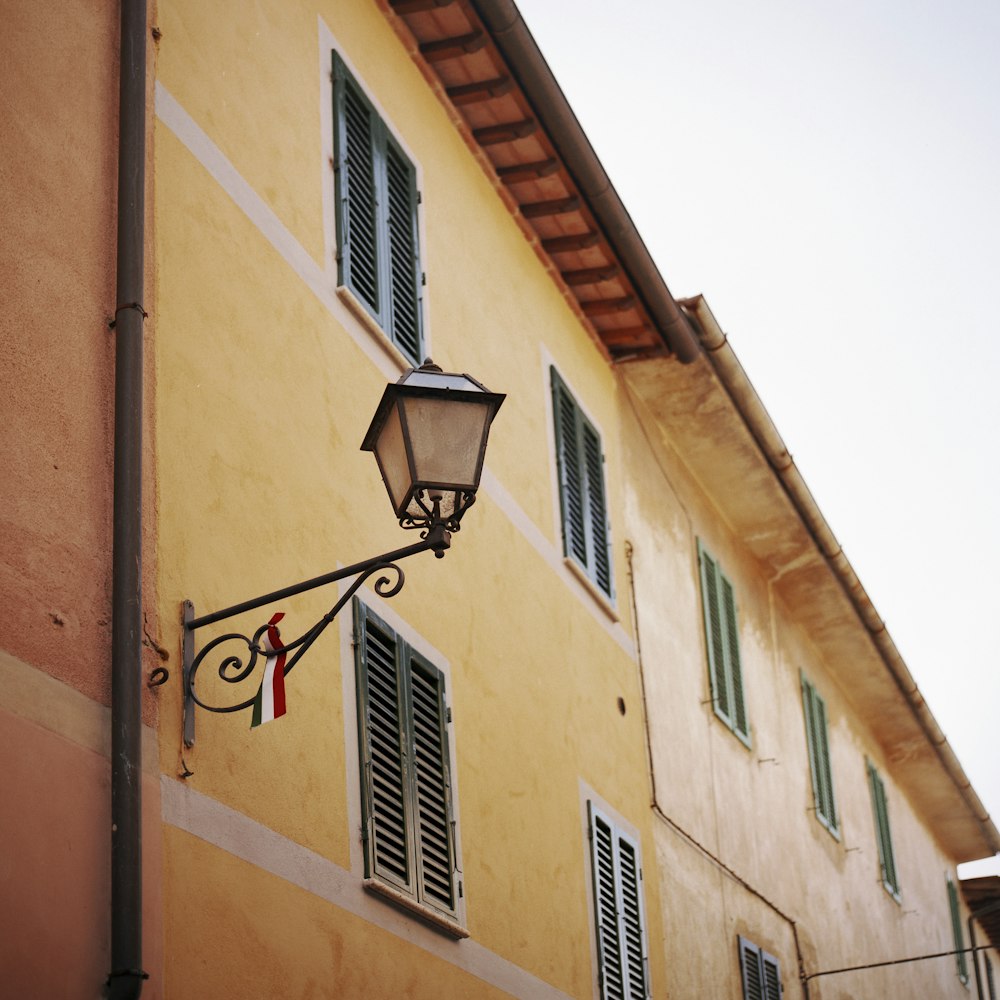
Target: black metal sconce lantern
429 437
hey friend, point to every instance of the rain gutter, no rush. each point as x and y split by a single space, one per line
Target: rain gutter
521 53
126 976
740 390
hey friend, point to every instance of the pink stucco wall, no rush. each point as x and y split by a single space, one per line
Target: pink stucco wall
58 180
58 157
55 827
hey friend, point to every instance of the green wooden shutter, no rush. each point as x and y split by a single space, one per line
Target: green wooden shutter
883 834
569 461
597 512
385 798
582 495
609 960
378 244
809 712
772 976
750 967
956 930
356 125
760 971
432 785
735 668
817 741
713 634
827 804
725 669
621 933
406 780
403 259
633 935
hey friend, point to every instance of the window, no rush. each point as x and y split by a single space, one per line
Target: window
581 488
990 985
408 827
378 252
883 836
761 973
621 934
722 636
956 930
814 709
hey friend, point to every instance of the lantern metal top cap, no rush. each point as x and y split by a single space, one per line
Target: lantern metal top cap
428 380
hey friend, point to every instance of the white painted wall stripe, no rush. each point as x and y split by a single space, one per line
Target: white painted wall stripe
244 838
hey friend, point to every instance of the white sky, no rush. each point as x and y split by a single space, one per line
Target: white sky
828 176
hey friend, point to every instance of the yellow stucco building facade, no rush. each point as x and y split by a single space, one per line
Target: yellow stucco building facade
638 733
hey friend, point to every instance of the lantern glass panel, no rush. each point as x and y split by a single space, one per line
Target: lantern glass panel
390 449
446 439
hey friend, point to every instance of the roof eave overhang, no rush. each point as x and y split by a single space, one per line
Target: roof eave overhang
721 431
486 67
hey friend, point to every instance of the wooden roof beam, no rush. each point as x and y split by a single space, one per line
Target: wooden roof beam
566 244
520 172
626 336
591 275
483 90
605 307
557 206
404 7
452 48
492 135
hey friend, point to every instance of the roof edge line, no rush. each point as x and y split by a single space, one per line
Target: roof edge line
518 48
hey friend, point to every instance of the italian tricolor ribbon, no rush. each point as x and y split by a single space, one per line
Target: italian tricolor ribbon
270 701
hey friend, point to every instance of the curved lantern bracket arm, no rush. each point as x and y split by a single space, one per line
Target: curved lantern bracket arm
234 669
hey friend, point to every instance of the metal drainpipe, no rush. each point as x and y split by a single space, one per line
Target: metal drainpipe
126 975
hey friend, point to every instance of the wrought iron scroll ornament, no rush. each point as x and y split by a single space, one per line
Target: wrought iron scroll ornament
464 499
236 667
